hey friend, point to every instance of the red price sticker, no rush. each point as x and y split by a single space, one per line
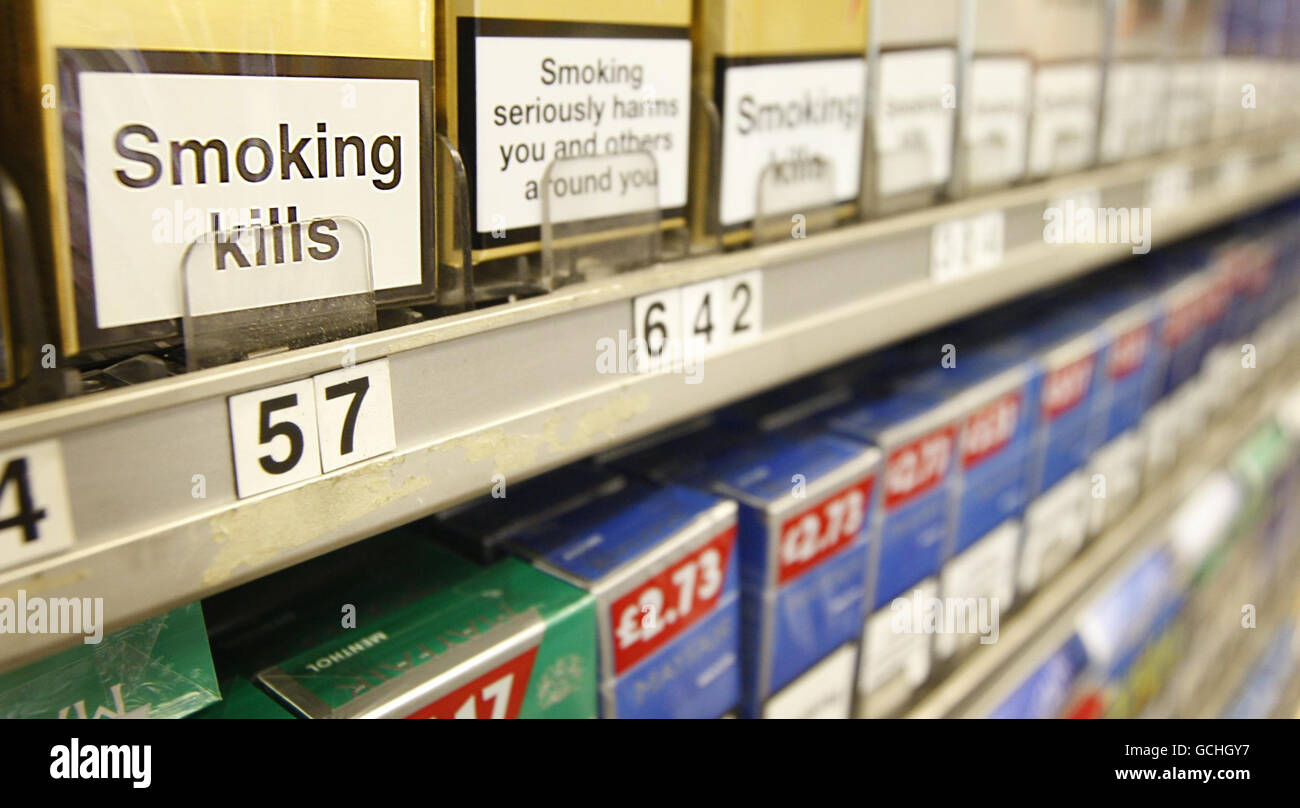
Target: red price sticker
662 607
1251 270
809 538
1129 351
918 467
1066 386
498 693
1181 322
989 429
1217 298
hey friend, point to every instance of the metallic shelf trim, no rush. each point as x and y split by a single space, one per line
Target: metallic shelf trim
44 420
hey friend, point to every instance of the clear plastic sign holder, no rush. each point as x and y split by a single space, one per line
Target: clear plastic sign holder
261 289
707 196
455 278
791 199
600 216
794 200
132 370
911 158
890 169
462 283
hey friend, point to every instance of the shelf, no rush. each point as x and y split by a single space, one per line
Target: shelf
515 389
992 672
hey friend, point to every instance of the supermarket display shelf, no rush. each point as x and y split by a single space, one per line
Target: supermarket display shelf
1292 710
156 518
1228 685
1046 621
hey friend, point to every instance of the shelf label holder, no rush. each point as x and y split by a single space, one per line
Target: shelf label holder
794 200
600 216
262 289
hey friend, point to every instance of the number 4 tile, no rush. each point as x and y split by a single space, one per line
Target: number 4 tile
35 518
704 307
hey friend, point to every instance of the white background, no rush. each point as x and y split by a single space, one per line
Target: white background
823 691
1083 80
890 653
373 432
682 309
508 71
1191 102
213 291
745 156
137 279
998 82
1135 102
905 76
245 432
986 569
